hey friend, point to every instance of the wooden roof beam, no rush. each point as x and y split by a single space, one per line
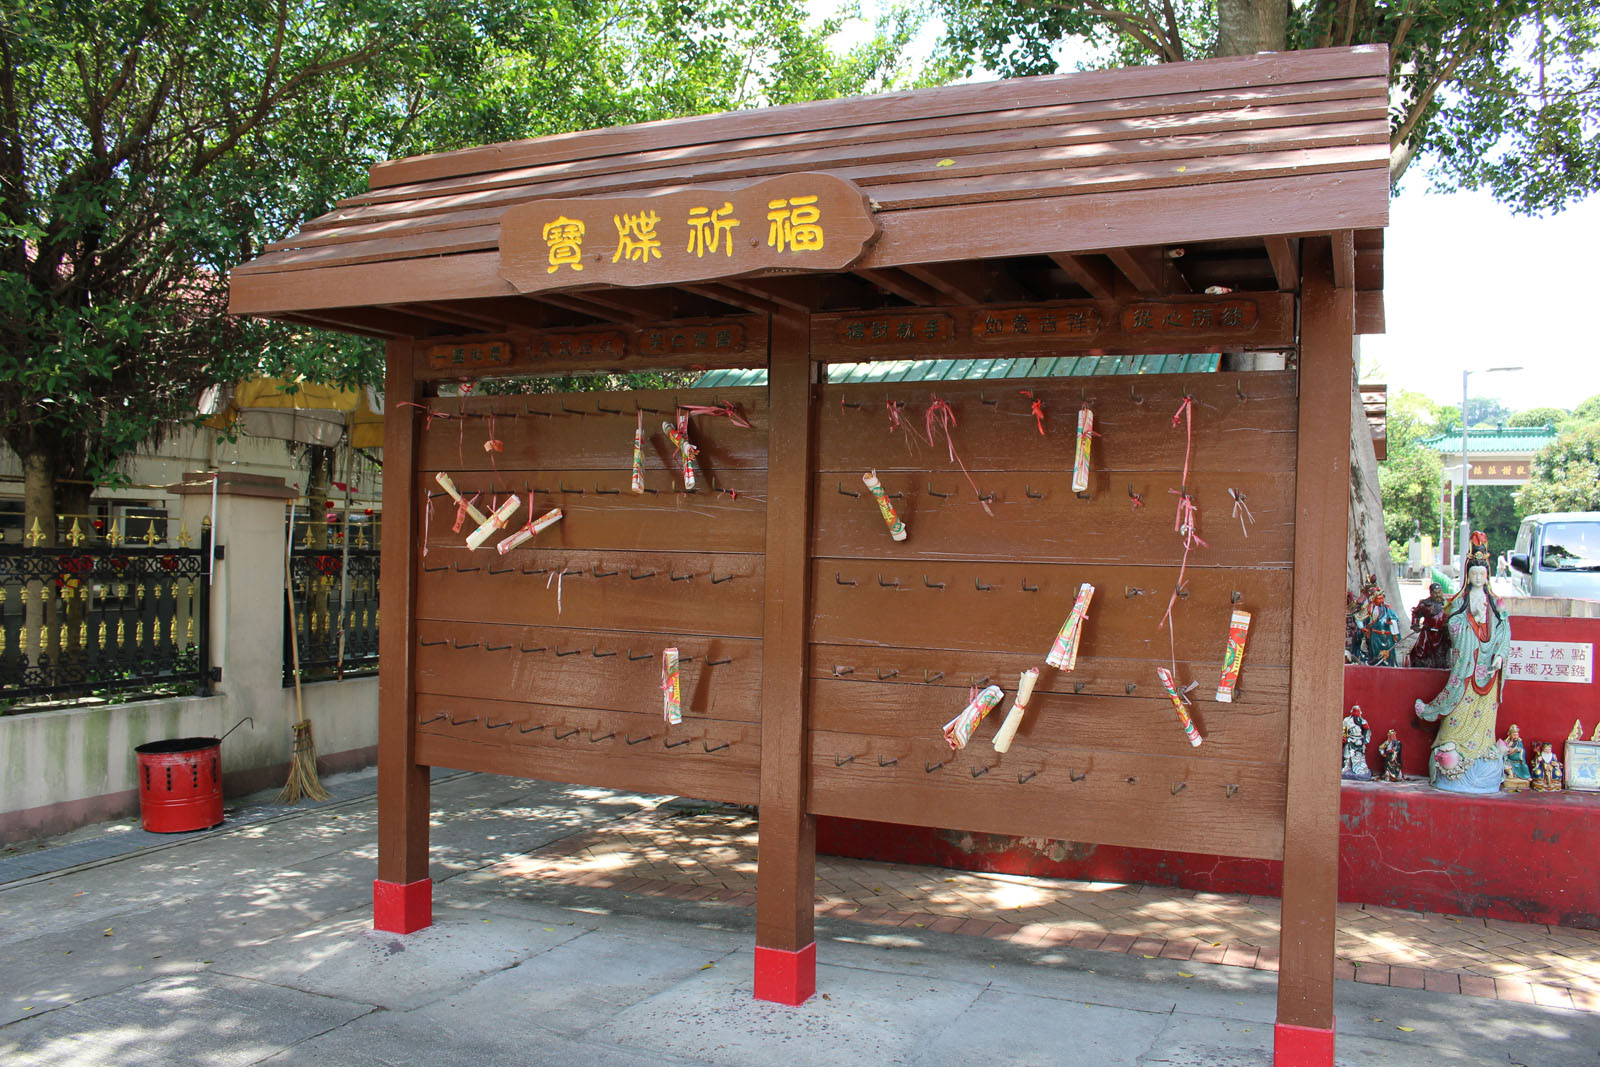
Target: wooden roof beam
581 303
1090 275
512 311
1344 259
771 289
457 314
633 305
969 283
1149 269
734 298
1285 263
903 285
368 322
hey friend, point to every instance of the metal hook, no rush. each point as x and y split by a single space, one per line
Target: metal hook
839 672
931 585
574 652
1135 397
1138 498
563 737
1130 687
679 577
502 570
572 574
572 411
593 740
837 762
1230 790
934 492
440 567
562 486
887 762
640 577
1077 687
497 725
981 682
459 647
847 492
718 662
929 768
981 586
1238 389
1131 591
926 680
675 744
594 568
463 722
1024 779
495 648
991 403
725 578
894 672
430 644
638 740
1077 776
530 411
1026 588
986 498
979 772
605 492
846 404
635 659
536 648
843 581
1027 491
530 729
607 411
435 718
1132 779
888 585
603 655
466 570
1233 597
537 570
1178 787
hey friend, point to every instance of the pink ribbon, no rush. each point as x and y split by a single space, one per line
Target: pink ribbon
727 411
941 417
1037 410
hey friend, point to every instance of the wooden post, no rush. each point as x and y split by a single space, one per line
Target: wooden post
1304 1032
786 950
402 895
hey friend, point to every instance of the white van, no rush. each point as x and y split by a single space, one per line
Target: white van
1558 554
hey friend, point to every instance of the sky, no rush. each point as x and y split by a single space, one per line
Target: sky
1469 285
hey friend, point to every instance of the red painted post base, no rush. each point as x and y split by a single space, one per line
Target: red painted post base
1301 1046
401 908
785 977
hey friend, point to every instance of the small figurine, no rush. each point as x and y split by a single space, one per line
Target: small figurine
1516 760
1379 635
1357 735
1547 775
1390 751
1466 757
1352 629
1428 622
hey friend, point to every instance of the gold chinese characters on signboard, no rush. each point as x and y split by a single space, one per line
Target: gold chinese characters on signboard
902 328
1188 317
467 357
793 222
1056 322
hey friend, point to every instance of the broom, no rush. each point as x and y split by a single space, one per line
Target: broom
303 761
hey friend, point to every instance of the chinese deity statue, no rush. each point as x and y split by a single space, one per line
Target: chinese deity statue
1432 647
1466 757
1390 751
1357 735
1516 759
1547 774
1380 630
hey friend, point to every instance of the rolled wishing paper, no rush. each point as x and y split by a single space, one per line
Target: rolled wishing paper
958 731
494 522
1008 729
671 706
531 530
1233 658
1064 652
686 452
449 486
897 529
1170 684
1080 462
638 455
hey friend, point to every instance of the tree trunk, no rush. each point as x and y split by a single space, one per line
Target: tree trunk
1245 27
37 639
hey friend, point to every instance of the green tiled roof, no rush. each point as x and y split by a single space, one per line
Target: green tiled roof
932 370
1485 441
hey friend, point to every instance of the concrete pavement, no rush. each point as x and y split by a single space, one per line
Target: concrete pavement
253 946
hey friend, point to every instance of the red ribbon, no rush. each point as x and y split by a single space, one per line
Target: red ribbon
727 411
941 417
1037 409
461 512
1186 413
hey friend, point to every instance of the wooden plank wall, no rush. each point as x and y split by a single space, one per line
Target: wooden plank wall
900 631
546 662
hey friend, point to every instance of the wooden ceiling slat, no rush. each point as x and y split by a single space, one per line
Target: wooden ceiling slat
1344 259
1285 263
990 188
1091 275
775 290
1162 79
1122 120
934 160
737 298
965 283
1146 268
904 286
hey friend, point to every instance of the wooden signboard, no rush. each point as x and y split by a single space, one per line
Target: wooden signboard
800 222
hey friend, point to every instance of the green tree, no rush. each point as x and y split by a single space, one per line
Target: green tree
1566 474
1411 478
1502 95
1486 411
1588 411
148 146
1537 417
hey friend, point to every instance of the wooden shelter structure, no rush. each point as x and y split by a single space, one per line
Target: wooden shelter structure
1232 205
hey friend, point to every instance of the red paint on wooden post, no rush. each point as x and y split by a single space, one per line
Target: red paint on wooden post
402 909
785 977
1301 1046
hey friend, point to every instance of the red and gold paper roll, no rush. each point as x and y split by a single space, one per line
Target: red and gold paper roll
958 731
637 485
1064 652
1080 461
671 704
1233 658
891 519
496 521
543 522
687 452
449 486
1170 684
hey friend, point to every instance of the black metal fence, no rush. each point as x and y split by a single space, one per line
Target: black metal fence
103 616
325 573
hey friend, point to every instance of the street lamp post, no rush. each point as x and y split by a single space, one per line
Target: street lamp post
1466 522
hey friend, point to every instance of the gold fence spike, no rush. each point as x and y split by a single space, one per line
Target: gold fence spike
188 631
36 535
113 535
22 638
184 540
75 535
138 634
83 634
122 632
150 537
100 638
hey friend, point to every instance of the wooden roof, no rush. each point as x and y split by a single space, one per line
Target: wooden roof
1035 188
